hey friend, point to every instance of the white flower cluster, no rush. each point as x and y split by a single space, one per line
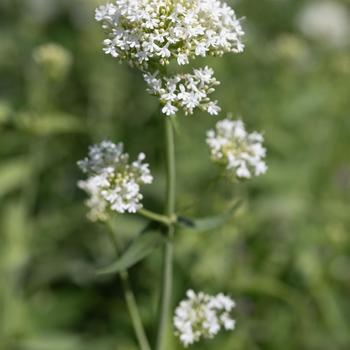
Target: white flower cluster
202 316
113 183
143 32
238 151
186 91
333 32
54 60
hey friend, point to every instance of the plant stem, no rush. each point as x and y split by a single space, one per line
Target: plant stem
130 299
134 312
157 217
167 278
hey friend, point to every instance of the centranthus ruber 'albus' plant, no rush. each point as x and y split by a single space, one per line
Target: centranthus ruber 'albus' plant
149 35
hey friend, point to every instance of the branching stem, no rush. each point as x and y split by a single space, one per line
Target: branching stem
163 219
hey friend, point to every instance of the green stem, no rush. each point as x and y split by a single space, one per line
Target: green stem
167 278
130 299
157 217
134 312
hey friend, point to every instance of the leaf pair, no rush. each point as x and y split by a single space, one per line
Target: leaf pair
152 237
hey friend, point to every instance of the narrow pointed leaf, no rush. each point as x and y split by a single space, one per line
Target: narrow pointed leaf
140 248
209 223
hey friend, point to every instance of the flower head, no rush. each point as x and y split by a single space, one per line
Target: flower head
327 22
54 60
113 183
202 316
156 31
238 151
185 91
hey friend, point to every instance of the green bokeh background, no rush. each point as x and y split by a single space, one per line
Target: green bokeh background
284 256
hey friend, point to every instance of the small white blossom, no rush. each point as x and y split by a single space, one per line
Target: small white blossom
105 12
202 316
157 31
213 108
97 204
113 183
169 109
185 91
238 151
182 59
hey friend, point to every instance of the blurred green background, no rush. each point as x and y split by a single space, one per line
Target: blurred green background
285 256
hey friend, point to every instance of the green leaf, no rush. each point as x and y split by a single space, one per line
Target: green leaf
209 223
140 248
14 174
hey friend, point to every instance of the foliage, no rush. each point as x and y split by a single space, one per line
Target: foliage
283 256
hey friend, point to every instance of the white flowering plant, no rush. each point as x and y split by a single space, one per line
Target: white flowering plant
148 35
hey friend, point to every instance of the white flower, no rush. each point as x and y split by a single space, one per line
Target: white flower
204 74
201 49
213 108
169 109
164 52
238 151
202 316
105 12
154 84
185 91
163 30
182 59
98 206
113 183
